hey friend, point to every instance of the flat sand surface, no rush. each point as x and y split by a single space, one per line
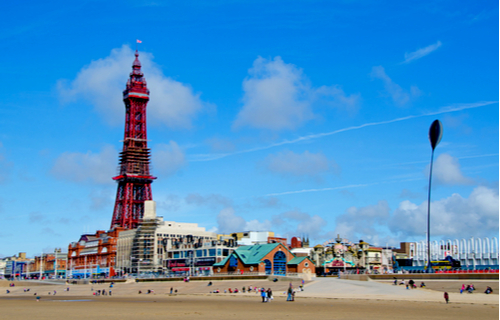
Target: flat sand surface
322 298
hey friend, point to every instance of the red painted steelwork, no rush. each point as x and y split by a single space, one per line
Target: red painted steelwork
134 179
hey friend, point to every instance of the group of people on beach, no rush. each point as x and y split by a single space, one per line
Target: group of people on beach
267 295
102 292
410 284
470 288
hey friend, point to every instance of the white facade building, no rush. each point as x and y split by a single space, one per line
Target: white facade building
470 252
254 237
161 237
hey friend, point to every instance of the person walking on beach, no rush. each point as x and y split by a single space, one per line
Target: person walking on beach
269 294
290 291
263 294
446 297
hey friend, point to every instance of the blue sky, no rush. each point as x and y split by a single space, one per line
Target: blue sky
299 117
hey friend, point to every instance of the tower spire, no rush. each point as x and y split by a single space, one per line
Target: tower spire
134 179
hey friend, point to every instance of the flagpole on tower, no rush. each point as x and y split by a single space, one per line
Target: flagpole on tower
137 41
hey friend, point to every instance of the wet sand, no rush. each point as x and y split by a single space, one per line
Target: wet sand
194 302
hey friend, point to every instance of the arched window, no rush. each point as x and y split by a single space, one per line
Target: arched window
279 262
269 266
233 262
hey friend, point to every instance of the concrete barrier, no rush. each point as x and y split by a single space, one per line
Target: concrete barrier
436 276
357 277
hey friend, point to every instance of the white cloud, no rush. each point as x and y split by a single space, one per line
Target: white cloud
288 163
211 200
172 103
336 97
297 223
256 225
290 223
169 202
454 216
168 158
421 52
279 97
87 167
228 221
399 96
446 170
362 222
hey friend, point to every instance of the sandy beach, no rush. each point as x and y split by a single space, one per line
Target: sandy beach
322 298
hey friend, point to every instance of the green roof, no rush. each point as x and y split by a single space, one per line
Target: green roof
254 254
296 260
223 262
251 255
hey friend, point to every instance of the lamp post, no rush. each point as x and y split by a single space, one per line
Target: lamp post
41 266
55 264
435 135
473 247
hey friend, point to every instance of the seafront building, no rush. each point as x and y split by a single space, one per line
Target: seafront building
46 266
472 254
51 265
266 259
14 266
93 254
150 247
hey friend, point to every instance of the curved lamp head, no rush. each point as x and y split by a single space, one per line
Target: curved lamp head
435 133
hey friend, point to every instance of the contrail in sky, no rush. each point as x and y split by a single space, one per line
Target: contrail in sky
455 108
322 189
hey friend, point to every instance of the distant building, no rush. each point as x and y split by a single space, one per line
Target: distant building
48 265
197 260
277 240
148 248
93 254
15 266
248 238
297 242
265 259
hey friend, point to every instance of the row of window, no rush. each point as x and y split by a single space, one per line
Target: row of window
180 235
201 253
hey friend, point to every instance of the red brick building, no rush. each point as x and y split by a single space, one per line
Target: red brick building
94 254
271 259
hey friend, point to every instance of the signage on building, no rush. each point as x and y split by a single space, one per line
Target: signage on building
205 261
337 263
176 263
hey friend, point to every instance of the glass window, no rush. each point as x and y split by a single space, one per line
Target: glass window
211 252
219 252
199 253
225 252
205 252
176 255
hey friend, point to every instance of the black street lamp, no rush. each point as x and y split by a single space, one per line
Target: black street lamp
435 135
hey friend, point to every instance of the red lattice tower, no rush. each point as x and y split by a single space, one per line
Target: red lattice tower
134 179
